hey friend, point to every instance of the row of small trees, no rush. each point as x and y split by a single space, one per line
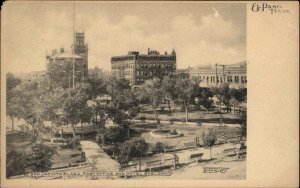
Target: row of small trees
186 92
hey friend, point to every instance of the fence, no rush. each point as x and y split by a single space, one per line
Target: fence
160 164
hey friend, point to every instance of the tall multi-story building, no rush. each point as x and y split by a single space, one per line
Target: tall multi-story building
137 68
211 76
62 63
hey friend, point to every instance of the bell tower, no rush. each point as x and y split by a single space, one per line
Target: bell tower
81 49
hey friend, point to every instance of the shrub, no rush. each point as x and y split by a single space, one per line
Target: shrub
158 121
39 159
111 135
171 121
159 147
143 118
135 147
15 163
72 143
173 132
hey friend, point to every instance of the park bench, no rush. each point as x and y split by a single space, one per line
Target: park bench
189 145
168 162
59 166
242 153
169 148
153 164
196 157
157 164
230 152
131 167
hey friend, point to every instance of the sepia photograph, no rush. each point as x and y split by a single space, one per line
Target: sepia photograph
125 90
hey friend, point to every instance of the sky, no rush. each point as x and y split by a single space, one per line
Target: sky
200 33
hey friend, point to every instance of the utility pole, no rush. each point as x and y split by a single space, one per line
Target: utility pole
73 50
216 74
140 162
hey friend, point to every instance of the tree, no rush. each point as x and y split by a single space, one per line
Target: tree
151 91
168 87
75 104
223 94
126 101
209 139
244 124
187 90
24 99
205 99
111 135
11 105
135 147
98 86
116 88
237 96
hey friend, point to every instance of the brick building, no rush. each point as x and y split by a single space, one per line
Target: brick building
137 68
61 61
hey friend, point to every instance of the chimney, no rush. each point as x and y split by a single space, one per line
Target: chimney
62 50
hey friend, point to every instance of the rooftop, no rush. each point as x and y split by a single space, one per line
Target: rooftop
65 55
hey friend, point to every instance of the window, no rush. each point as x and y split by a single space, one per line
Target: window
245 79
236 79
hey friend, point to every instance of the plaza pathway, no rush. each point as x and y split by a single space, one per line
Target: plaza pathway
97 157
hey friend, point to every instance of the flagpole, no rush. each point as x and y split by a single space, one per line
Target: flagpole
73 50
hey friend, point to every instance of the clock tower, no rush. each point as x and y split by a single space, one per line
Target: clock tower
81 49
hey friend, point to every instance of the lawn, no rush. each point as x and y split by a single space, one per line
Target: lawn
66 156
189 132
19 140
193 116
23 142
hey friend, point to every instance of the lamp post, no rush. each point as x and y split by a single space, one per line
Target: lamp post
140 154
